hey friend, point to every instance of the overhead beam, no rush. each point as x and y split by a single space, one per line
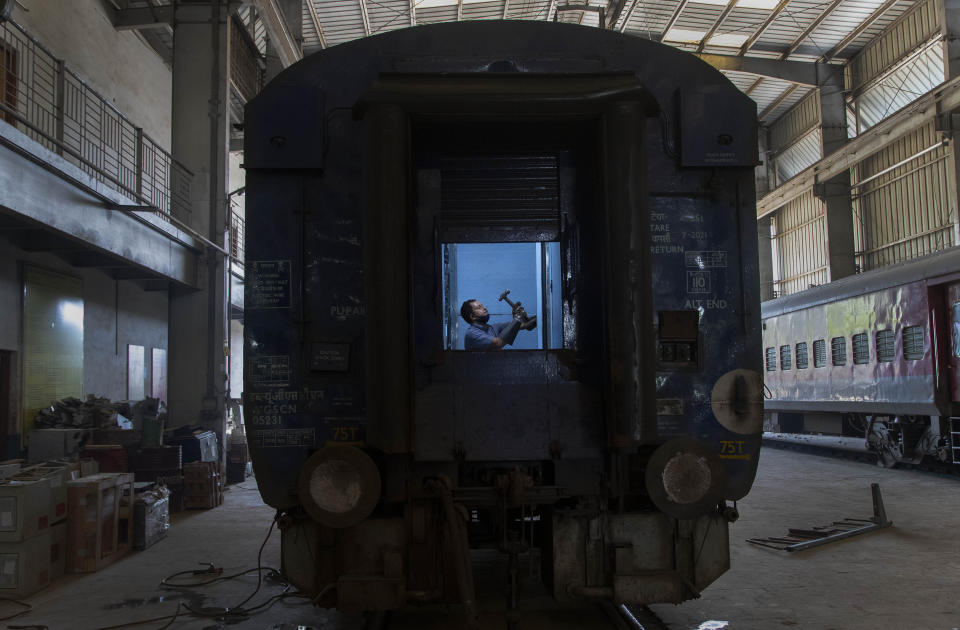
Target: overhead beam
855 33
811 28
366 18
674 17
754 86
802 72
919 113
413 11
629 15
144 17
282 40
716 24
777 10
315 20
506 7
777 102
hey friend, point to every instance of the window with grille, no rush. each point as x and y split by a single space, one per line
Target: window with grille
838 348
885 349
913 343
771 359
802 360
861 349
785 361
819 353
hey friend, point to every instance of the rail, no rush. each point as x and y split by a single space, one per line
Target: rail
236 235
52 105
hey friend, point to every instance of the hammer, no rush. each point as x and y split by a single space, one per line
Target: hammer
514 305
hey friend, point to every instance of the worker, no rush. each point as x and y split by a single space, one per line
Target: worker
484 336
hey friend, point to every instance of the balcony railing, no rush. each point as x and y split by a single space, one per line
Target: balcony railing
52 105
236 236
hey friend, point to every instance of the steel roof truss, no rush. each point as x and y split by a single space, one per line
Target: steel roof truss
315 20
777 10
813 26
855 33
716 24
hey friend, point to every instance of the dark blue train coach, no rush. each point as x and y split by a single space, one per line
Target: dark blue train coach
607 183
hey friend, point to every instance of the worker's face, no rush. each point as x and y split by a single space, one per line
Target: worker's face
480 313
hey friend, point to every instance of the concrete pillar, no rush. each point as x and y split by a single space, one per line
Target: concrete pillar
950 25
765 256
835 193
198 319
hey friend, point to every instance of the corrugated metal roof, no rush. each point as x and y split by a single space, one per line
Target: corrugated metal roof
795 30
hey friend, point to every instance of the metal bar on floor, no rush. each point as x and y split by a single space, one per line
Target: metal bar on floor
802 539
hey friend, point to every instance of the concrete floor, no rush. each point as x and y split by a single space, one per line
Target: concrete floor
906 577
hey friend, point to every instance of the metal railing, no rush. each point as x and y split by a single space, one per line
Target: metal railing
236 235
53 106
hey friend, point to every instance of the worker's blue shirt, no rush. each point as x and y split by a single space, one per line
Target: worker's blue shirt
481 336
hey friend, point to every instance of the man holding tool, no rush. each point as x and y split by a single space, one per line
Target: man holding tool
484 336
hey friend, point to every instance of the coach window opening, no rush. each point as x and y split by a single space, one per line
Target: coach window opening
530 271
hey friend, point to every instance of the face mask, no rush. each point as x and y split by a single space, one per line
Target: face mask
484 319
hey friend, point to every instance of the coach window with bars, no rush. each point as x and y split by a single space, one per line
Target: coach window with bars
885 346
771 359
785 361
955 339
819 353
802 360
861 349
913 343
838 348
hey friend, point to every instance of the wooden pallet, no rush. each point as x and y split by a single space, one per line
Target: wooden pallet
94 511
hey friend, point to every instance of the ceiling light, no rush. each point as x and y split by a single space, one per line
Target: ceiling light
684 36
722 2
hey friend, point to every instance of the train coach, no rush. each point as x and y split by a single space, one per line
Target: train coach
869 362
392 179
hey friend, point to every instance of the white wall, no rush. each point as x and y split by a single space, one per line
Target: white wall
119 65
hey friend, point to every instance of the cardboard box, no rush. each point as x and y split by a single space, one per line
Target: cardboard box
58 474
58 550
25 566
24 509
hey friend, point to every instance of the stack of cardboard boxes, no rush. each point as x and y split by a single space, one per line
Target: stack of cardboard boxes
33 527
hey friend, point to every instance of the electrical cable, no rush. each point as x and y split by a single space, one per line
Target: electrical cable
238 610
27 608
168 618
166 581
235 612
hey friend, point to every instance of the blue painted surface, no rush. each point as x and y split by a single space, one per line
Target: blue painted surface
485 270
